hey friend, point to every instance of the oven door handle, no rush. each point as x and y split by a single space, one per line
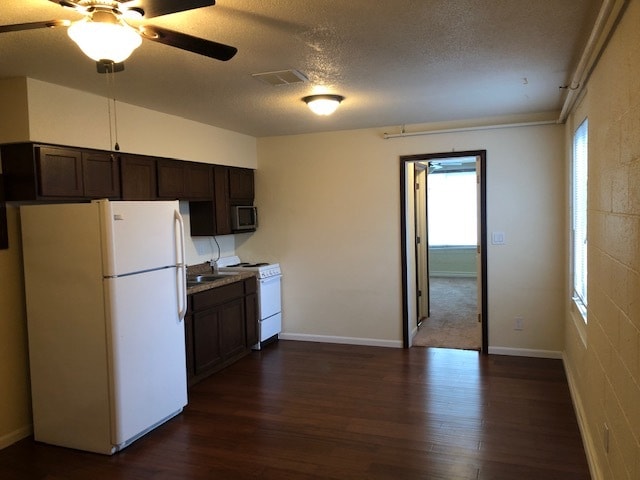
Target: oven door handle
273 278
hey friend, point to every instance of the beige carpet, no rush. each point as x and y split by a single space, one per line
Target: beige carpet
454 321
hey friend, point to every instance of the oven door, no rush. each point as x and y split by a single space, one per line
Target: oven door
269 296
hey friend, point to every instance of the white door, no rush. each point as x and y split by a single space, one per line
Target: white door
147 354
422 242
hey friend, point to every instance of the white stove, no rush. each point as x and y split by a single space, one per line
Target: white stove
269 278
263 270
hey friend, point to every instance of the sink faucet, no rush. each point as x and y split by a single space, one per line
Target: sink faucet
214 266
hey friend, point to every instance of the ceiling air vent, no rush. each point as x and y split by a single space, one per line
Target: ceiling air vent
283 77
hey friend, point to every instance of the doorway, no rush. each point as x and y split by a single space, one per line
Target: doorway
443 254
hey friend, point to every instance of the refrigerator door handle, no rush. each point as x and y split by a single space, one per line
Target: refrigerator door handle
181 274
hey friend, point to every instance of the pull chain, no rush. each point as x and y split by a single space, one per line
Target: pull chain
109 111
111 97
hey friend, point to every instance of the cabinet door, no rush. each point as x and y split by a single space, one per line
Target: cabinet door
59 172
206 341
222 206
198 181
232 328
138 177
241 188
171 179
202 217
100 175
4 228
251 319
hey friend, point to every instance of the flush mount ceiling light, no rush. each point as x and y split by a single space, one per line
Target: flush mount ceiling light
104 37
323 104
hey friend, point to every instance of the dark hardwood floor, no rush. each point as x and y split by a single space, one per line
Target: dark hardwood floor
300 410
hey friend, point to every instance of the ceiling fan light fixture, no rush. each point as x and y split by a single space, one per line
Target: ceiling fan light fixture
324 104
103 36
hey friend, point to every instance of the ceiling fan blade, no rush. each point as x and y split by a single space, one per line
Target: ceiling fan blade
156 8
69 3
34 25
151 8
207 48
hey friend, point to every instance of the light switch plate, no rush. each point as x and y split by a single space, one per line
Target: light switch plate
498 238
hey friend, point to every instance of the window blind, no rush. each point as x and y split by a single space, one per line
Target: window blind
579 203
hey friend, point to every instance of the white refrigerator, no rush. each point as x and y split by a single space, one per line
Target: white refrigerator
105 292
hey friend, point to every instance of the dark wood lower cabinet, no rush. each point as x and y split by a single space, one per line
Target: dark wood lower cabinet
251 308
207 348
221 327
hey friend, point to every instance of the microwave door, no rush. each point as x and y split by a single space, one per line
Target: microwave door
245 218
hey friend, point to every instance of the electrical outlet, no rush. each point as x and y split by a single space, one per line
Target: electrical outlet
518 323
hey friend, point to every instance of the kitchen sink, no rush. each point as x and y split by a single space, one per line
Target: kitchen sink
205 278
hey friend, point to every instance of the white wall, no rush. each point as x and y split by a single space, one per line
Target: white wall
14 114
329 207
70 117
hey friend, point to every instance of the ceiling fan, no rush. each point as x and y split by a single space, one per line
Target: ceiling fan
105 35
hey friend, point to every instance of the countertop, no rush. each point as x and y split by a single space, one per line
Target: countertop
204 268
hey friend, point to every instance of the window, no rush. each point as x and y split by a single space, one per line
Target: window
452 209
579 217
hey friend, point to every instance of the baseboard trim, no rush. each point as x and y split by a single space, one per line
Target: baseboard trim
371 342
15 436
525 352
587 440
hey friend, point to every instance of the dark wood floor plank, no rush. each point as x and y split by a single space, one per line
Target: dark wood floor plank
319 411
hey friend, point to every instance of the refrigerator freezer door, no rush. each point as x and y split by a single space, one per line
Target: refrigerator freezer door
147 352
139 236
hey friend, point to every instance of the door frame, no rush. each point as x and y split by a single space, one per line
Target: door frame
482 174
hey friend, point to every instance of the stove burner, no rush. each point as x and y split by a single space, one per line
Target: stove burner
248 265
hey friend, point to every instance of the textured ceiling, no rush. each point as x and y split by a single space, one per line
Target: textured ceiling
397 61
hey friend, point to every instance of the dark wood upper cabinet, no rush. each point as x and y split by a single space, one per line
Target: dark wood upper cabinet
198 181
241 186
37 172
41 172
59 172
232 186
100 175
171 179
222 203
183 180
138 177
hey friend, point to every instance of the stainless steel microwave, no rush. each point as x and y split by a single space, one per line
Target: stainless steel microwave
244 218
